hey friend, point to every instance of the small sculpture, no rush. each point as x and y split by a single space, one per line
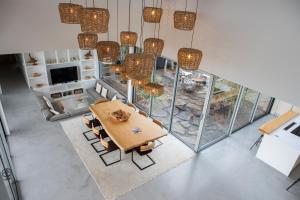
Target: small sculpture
32 61
88 55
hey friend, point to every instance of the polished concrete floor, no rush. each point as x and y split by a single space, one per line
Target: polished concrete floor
48 167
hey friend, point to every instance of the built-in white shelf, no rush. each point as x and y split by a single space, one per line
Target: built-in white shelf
87 65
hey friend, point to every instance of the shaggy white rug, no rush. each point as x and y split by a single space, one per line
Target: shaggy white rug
124 176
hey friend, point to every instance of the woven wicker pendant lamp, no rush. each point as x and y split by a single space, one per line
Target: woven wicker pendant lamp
154 89
184 20
128 38
69 13
139 64
139 81
94 20
108 51
152 14
116 68
189 58
87 41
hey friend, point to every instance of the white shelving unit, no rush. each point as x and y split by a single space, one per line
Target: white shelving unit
37 75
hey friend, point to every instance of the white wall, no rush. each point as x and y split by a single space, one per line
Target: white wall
254 43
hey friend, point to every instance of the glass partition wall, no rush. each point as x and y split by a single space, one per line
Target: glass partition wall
198 108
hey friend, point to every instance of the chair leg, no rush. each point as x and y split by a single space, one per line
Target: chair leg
294 183
108 164
142 168
257 142
97 151
160 143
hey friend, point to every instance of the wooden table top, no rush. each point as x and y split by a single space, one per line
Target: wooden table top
121 132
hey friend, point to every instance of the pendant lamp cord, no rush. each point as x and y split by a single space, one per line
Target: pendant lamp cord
129 15
159 21
70 1
86 3
155 18
108 26
142 25
195 24
185 5
117 20
94 3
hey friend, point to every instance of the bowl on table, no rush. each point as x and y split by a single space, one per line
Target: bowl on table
119 116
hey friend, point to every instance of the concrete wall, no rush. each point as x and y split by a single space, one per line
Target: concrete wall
253 43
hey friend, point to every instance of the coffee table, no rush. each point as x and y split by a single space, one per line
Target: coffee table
76 102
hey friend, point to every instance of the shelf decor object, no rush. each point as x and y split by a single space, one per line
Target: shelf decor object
154 89
89 54
32 60
94 20
69 13
189 58
36 74
128 38
87 41
152 14
108 51
139 64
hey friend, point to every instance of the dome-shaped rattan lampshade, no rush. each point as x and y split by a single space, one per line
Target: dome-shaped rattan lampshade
154 89
189 59
152 14
154 46
139 81
139 64
116 68
108 51
87 41
124 76
94 20
128 38
184 20
69 13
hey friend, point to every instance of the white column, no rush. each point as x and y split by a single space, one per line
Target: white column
129 85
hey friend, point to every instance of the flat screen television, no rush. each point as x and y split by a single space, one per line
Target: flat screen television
64 75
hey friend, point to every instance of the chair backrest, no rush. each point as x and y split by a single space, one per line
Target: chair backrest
86 120
158 123
147 147
131 105
143 113
100 101
95 130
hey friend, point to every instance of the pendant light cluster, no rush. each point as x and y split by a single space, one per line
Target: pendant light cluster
188 58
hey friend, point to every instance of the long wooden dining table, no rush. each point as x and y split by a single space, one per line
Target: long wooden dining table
122 133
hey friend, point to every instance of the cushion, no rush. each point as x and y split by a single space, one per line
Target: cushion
92 93
54 112
114 97
98 88
48 102
104 92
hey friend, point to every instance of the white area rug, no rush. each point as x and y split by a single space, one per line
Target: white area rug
124 176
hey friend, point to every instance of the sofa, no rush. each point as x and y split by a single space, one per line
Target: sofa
61 114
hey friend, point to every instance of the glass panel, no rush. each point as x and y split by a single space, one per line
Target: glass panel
262 106
188 111
222 104
165 75
142 100
6 171
245 110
